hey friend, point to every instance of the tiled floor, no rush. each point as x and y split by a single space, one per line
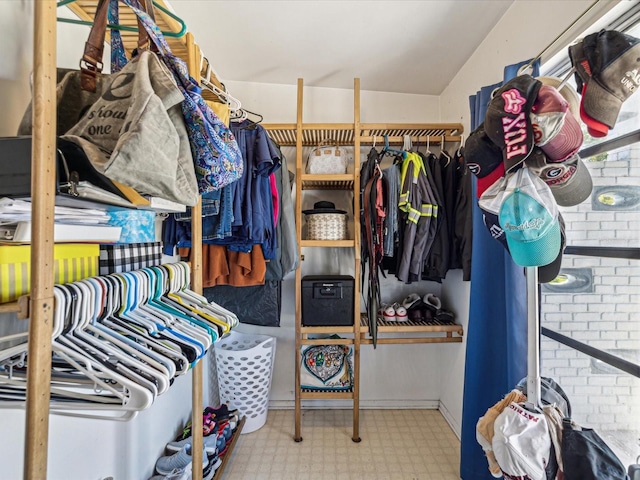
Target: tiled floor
396 444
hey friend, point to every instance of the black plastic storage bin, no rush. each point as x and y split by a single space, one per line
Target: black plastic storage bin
327 300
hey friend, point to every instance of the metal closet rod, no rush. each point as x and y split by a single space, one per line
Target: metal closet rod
555 40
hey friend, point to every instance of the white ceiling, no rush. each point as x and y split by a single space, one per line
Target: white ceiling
392 45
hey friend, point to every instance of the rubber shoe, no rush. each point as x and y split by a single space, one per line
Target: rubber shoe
411 300
176 474
212 467
209 443
401 313
178 461
389 314
431 299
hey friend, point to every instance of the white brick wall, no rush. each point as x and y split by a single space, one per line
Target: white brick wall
607 318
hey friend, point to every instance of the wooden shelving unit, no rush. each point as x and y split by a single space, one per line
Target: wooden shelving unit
301 135
43 168
354 134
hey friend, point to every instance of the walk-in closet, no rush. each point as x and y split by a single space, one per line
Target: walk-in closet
315 239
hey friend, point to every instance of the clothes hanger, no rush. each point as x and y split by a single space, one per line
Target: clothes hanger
429 152
182 326
178 34
184 273
143 358
137 340
444 152
388 149
90 387
222 93
406 143
459 151
105 348
194 306
244 115
104 353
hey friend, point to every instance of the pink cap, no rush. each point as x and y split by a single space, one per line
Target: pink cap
556 132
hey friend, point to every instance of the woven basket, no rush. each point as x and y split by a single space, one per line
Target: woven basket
327 226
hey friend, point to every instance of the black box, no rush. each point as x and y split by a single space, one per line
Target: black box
327 300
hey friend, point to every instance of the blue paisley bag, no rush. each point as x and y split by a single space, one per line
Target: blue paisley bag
217 158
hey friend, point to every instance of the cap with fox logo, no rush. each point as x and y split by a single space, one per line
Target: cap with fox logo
507 121
607 67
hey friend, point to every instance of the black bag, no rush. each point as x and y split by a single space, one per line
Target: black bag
550 393
585 456
256 305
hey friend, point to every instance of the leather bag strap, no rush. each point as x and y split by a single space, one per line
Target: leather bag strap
91 62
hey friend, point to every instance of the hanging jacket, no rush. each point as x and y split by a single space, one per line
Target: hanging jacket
463 228
286 241
437 262
420 212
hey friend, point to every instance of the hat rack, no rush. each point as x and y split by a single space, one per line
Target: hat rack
533 339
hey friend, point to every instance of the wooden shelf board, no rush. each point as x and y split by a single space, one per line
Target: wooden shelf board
314 134
20 307
328 243
327 329
325 394
410 327
227 455
327 341
410 340
11 307
327 182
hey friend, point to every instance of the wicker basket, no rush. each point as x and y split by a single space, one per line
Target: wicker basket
327 226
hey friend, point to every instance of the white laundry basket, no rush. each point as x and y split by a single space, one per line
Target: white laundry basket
245 365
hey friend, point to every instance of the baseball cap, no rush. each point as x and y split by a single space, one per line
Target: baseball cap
507 121
556 131
569 94
483 159
521 213
607 67
528 214
570 180
546 273
521 443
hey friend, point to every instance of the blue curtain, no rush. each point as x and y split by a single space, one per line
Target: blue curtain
496 357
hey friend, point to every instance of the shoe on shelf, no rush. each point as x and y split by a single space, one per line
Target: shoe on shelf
445 317
176 474
209 443
388 313
411 300
222 412
208 426
179 460
212 467
433 301
401 313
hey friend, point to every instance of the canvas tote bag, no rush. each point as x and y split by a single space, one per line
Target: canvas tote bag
134 132
216 155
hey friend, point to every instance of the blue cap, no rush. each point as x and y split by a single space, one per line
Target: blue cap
531 229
